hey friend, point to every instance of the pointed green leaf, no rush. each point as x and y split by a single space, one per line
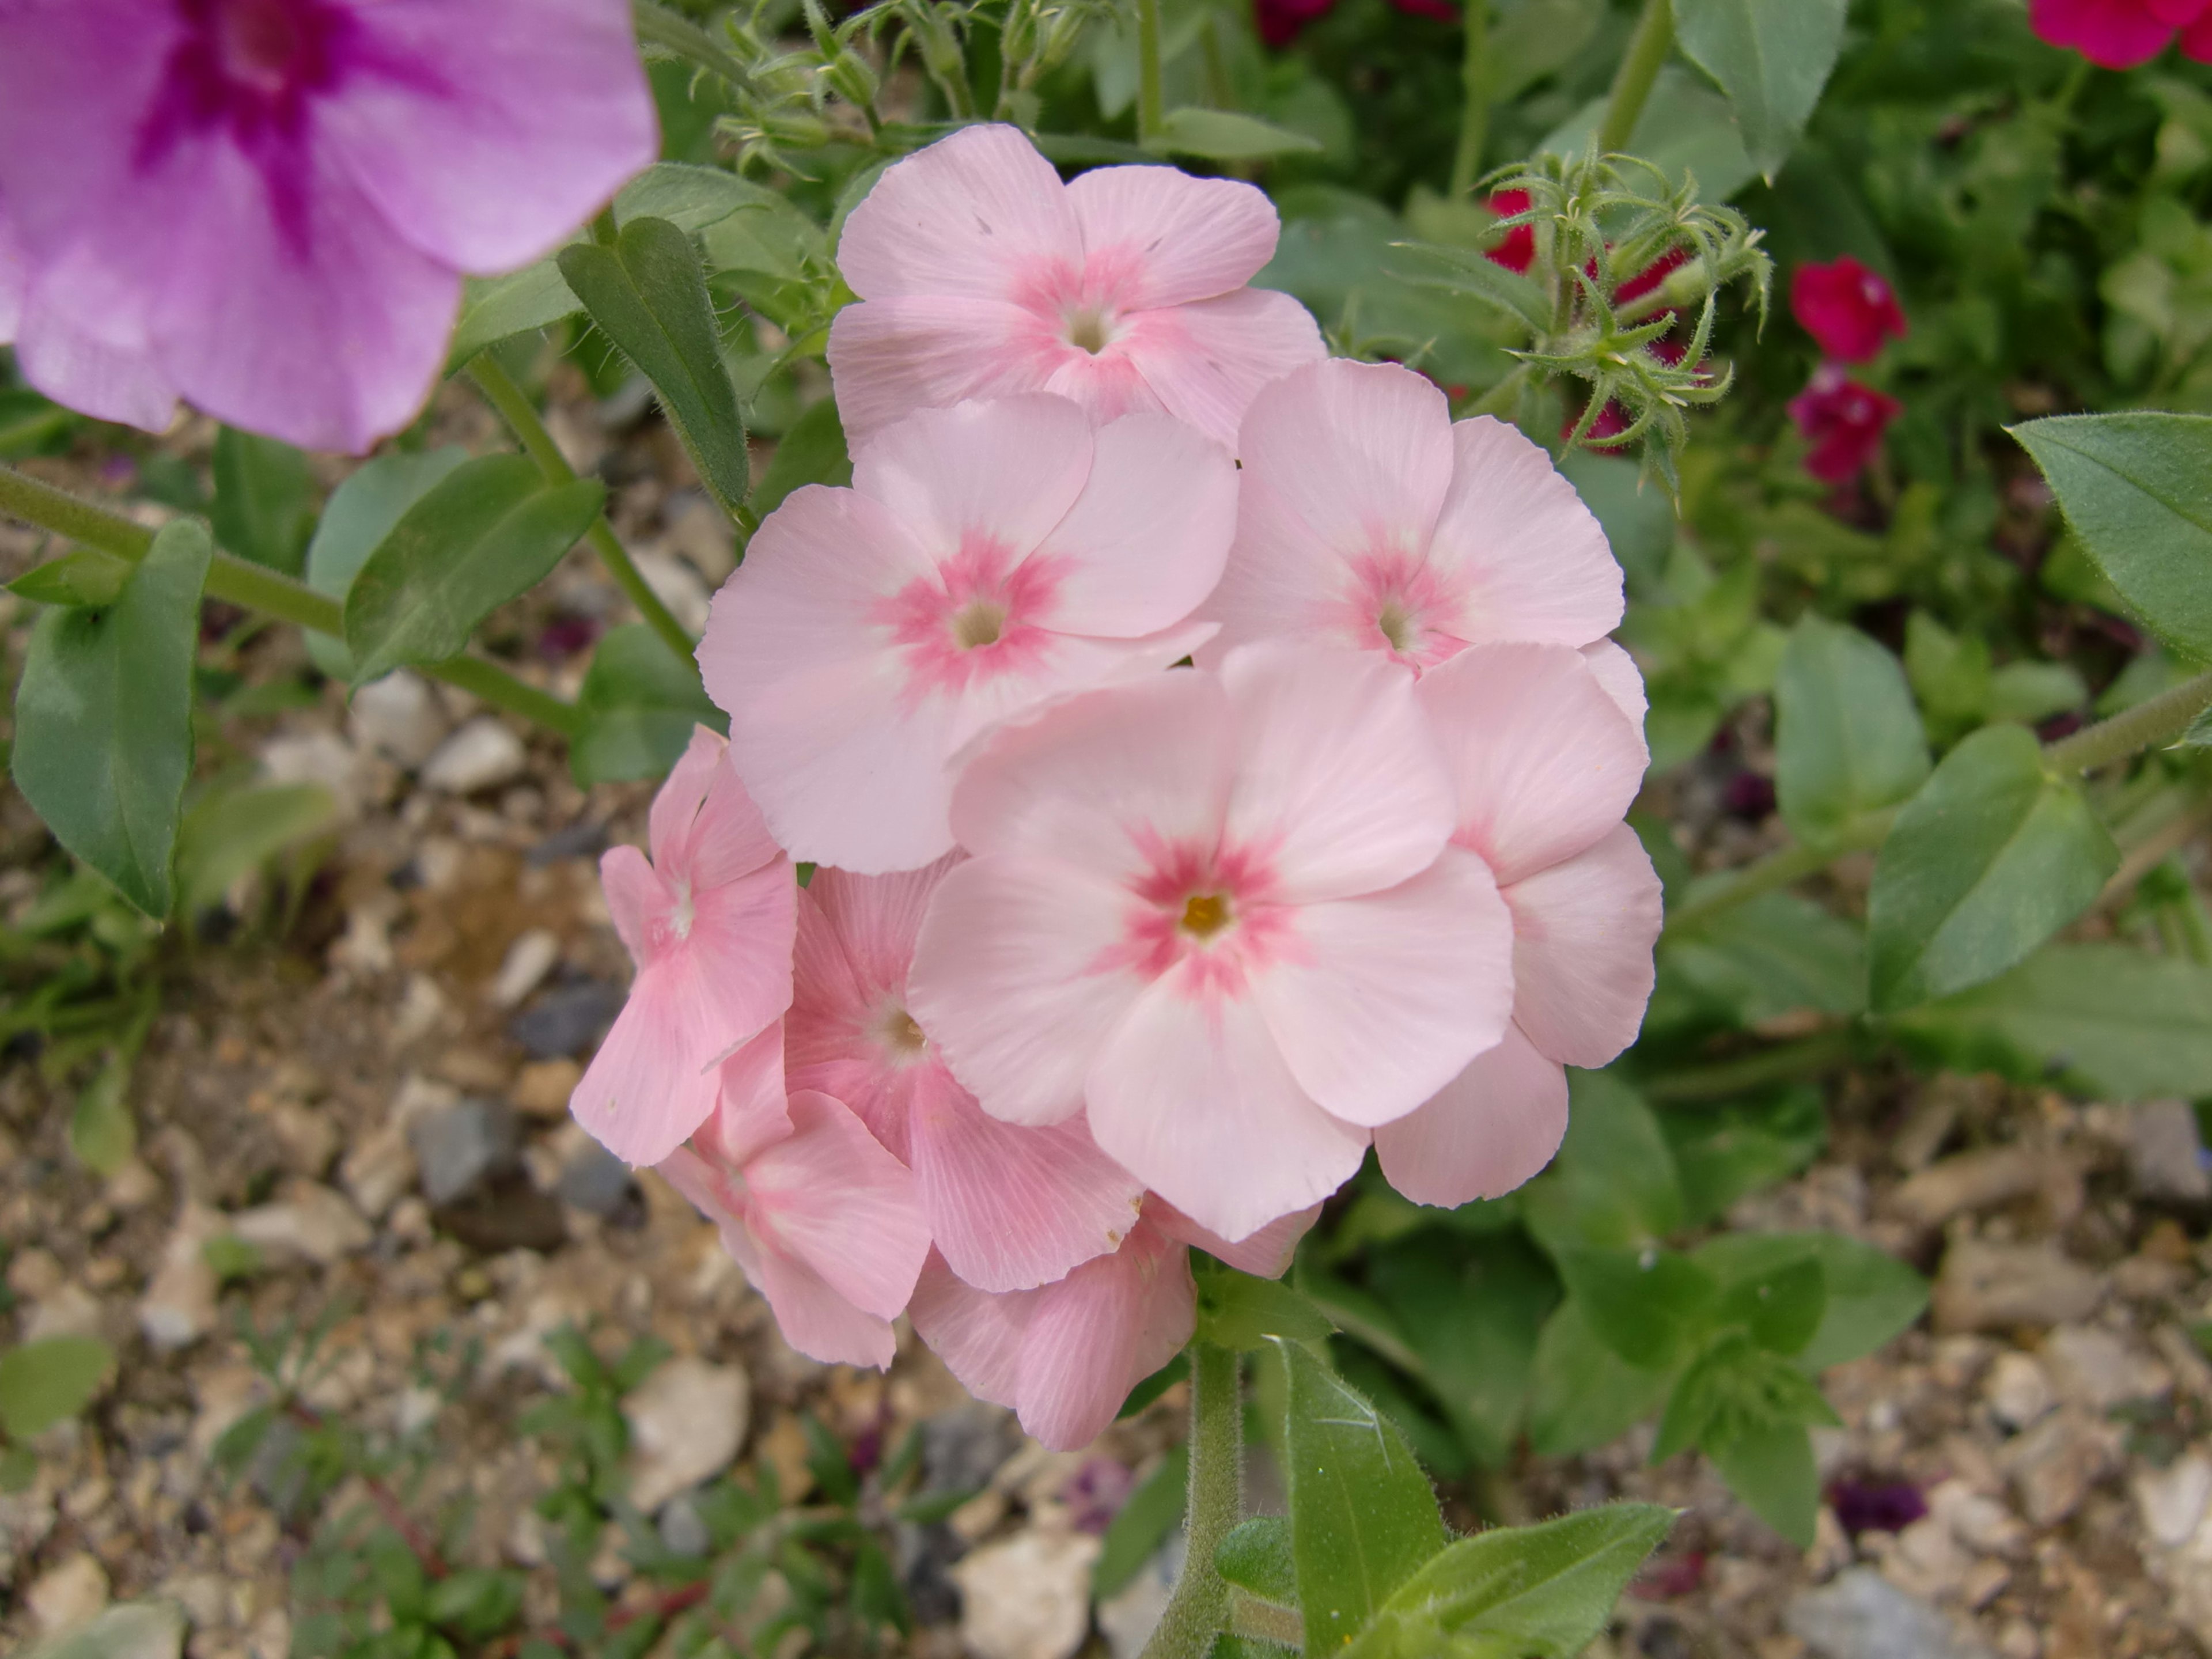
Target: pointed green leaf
1464 272
1256 1556
44 1382
83 576
1612 1185
1771 1467
1868 1295
102 1132
1363 1517
648 295
1474 1320
264 506
1649 1306
229 832
2137 489
488 531
638 704
1992 857
812 452
1771 58
1240 1311
1781 1307
103 718
1848 739
1582 1393
1221 135
360 515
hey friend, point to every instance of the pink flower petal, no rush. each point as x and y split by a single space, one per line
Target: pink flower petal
875 921
1146 541
753 1109
1534 560
1193 1096
1543 760
1393 992
653 1079
1338 781
1267 1253
1088 1338
832 1197
1583 933
1002 473
79 369
1012 1208
963 216
1623 681
815 1318
1206 360
1179 237
976 1333
1011 981
890 357
1488 1130
14 276
635 896
702 821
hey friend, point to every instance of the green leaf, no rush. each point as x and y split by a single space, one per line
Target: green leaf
1612 1185
2031 692
1474 1319
1540 1592
360 515
1771 1466
1759 961
1649 1306
1256 1556
265 501
1238 1310
638 704
1781 1307
496 308
2137 489
648 294
1848 739
102 1132
812 452
85 576
44 1382
1221 135
229 832
1868 1295
1142 1524
1992 857
1686 130
476 1603
1771 58
1476 275
1638 519
103 718
490 530
1724 1151
1583 1394
1362 1515
128 1630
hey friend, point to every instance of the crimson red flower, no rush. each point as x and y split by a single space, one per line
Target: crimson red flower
1518 251
1846 308
1282 22
1845 422
2122 33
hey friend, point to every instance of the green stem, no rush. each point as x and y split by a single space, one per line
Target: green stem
1648 51
1785 1063
657 26
1779 869
1199 1609
1151 112
1474 101
520 415
240 582
2165 715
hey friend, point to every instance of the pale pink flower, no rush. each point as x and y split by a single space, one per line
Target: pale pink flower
1367 519
1009 1207
266 206
1545 763
1218 912
822 1218
981 274
710 922
1065 1356
988 558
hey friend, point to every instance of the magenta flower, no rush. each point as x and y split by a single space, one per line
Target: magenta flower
1009 1207
1368 519
1544 760
823 1220
710 922
988 558
266 205
1847 309
1065 1357
1217 911
982 275
2121 34
1845 422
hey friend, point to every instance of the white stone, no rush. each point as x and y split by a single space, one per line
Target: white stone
68 1593
528 960
1133 1613
308 1222
179 1307
2172 1501
318 757
1027 1596
379 1169
483 755
2092 1367
686 1423
72 1310
398 717
421 1010
2017 1390
1976 1520
677 587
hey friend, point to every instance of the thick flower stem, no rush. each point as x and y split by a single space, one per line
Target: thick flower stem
1474 101
1152 110
1648 51
1199 1610
257 587
520 415
2167 715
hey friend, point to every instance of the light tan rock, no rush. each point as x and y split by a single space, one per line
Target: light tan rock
686 1421
1988 1287
1027 1596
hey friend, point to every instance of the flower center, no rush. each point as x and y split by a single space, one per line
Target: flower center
260 43
1394 622
978 622
1205 914
1090 328
686 911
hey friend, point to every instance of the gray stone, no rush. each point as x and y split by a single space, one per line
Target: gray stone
566 1020
2093 1368
2165 1154
2053 1465
482 754
681 1527
398 717
1861 1615
595 1180
1985 1287
1129 1617
964 1448
308 1223
460 1147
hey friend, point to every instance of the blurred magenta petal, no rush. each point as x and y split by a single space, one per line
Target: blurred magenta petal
1847 309
1843 421
2115 34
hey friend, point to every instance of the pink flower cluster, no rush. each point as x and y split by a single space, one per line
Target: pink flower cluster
1849 310
1105 957
2122 33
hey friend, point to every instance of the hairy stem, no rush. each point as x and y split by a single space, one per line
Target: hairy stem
520 415
657 26
1648 51
1780 868
2167 715
257 587
1199 1609
1474 101
1151 112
